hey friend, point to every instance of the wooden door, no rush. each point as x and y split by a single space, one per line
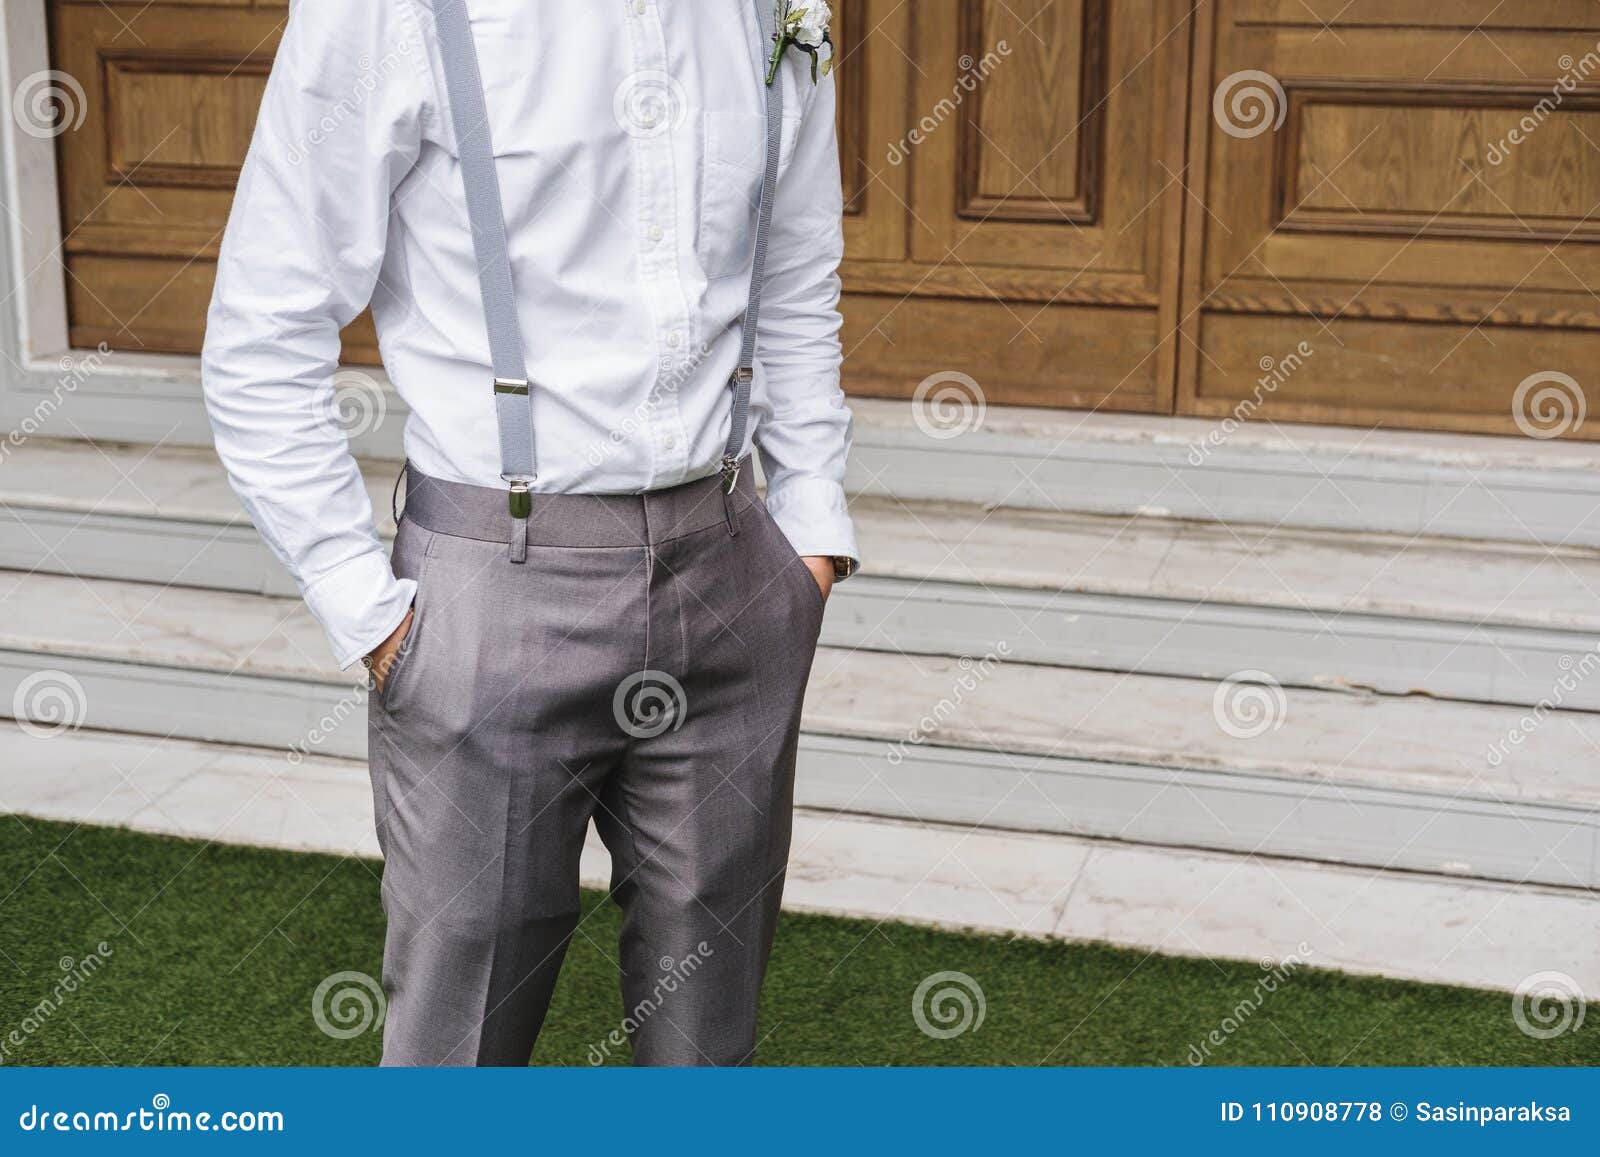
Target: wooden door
170 97
1000 221
1412 194
1009 225
1067 201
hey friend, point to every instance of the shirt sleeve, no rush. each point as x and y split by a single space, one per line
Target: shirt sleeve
339 128
804 434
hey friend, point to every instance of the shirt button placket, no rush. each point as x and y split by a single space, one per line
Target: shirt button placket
657 227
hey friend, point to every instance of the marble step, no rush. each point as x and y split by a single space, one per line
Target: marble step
1224 469
985 740
1510 488
1483 621
1169 900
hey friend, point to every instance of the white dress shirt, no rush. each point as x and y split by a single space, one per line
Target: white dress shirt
630 140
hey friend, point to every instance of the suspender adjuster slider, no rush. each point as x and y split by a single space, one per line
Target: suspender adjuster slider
744 374
511 386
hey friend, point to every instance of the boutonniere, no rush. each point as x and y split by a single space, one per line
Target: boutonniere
804 28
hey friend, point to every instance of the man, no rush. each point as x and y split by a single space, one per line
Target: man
589 614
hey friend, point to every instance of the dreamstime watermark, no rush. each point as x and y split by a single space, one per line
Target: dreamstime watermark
1574 672
74 974
75 370
352 403
973 73
948 404
1573 73
1549 404
1274 973
1248 704
1274 372
649 703
672 374
674 974
1248 103
649 103
160 1117
49 703
347 1004
366 83
948 1004
1548 1004
973 674
348 707
49 103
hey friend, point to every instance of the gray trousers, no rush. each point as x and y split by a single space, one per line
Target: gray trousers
644 668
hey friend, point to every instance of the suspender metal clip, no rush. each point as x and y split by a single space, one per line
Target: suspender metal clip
521 497
730 473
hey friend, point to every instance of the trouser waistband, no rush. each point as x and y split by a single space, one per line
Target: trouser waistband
576 520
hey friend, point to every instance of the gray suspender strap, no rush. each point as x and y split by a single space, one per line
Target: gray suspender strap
744 374
513 404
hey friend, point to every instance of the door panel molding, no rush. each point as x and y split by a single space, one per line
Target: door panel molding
1082 122
1385 214
1438 117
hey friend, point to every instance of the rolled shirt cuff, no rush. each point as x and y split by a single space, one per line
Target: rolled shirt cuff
814 517
359 604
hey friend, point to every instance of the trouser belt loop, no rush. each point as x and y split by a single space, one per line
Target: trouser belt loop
730 483
521 501
519 540
394 497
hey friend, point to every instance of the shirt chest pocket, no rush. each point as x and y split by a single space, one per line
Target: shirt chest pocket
733 162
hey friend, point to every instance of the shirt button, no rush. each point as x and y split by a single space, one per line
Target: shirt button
655 233
640 7
669 442
672 340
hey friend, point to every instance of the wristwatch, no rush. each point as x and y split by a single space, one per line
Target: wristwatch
843 567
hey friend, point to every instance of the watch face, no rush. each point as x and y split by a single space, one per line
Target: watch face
843 567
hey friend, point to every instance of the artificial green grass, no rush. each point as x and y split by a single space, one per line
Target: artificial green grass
216 953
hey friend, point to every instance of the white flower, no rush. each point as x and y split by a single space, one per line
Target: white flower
811 24
807 30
